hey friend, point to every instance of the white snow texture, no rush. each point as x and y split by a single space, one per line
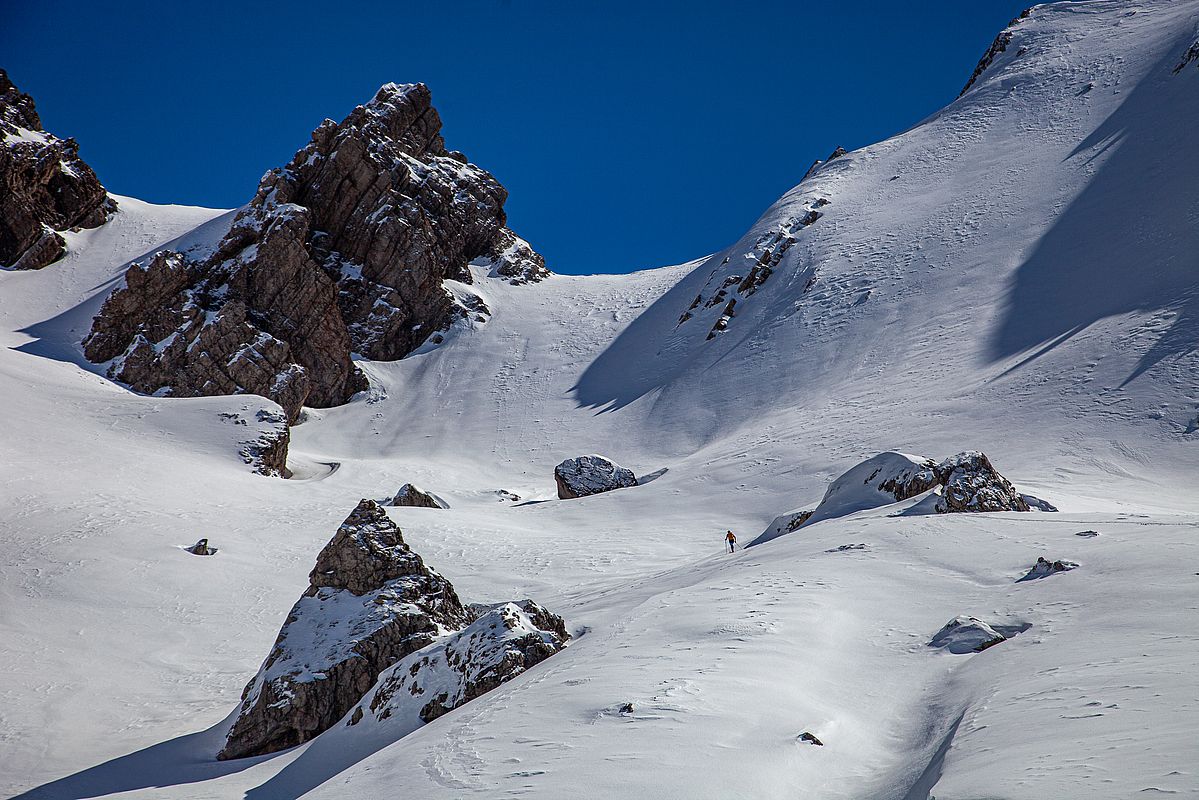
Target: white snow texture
1015 275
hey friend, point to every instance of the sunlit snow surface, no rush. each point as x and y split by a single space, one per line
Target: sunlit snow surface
1016 275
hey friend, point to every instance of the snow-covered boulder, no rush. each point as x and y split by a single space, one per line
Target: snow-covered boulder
966 635
411 495
965 482
1037 504
781 525
502 643
1044 568
370 601
971 484
884 479
587 475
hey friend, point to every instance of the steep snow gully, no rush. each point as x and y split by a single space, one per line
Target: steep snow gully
1015 275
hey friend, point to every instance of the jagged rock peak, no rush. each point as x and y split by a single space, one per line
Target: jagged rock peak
370 602
346 250
44 186
367 551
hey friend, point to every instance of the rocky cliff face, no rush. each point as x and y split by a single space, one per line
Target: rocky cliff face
44 186
346 250
370 602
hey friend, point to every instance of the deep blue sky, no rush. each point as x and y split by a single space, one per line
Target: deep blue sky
630 134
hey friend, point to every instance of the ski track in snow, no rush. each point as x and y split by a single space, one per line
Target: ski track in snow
910 316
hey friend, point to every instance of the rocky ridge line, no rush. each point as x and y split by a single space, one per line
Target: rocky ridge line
45 187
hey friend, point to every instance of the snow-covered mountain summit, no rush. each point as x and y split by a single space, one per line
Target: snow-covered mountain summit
1015 275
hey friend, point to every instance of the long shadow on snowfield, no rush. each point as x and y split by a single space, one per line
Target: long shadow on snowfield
184 759
1128 242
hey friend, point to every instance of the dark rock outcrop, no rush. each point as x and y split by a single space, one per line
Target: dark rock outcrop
502 643
410 495
44 186
347 249
268 453
588 475
201 548
370 601
971 484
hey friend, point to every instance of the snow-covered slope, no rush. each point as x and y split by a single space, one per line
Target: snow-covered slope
1016 275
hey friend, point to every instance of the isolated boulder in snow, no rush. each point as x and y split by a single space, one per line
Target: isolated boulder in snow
1044 568
880 480
347 249
502 643
588 475
410 495
971 484
966 635
44 186
201 548
370 602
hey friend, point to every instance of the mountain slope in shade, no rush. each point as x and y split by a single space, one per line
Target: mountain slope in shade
1014 275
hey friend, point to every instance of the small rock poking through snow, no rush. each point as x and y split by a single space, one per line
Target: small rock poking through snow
201 548
966 635
411 495
588 475
1044 568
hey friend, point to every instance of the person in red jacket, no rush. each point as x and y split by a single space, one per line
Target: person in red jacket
732 540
